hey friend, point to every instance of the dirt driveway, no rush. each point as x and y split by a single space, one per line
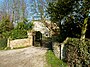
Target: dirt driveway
26 57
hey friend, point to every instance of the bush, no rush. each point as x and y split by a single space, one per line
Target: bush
24 26
74 56
29 25
6 25
3 43
20 31
18 34
21 25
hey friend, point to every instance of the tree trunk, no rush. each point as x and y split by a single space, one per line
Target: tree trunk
83 30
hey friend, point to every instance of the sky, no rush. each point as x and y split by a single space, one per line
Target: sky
1 3
31 12
1 0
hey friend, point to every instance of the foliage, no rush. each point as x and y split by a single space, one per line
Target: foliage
71 29
53 61
29 25
6 25
18 34
20 31
69 15
3 43
57 10
74 56
24 26
6 34
21 25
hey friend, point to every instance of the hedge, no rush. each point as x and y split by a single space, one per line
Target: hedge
3 43
18 34
74 57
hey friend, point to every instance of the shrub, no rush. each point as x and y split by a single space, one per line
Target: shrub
74 56
6 25
29 26
24 26
3 43
18 34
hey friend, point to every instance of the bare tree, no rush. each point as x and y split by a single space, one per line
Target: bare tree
23 9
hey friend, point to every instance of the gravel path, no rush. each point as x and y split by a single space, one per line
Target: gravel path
26 57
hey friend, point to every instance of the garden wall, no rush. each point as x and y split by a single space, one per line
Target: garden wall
59 49
20 42
56 49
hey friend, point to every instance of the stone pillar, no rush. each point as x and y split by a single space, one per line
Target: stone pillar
30 37
62 51
8 42
31 40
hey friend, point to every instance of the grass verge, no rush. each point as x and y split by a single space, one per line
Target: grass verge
53 61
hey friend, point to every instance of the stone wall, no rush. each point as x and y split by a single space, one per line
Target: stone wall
21 42
56 49
59 49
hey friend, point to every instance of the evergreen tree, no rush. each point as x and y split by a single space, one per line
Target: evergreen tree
70 11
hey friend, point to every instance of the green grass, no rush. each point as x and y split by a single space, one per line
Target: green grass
53 61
